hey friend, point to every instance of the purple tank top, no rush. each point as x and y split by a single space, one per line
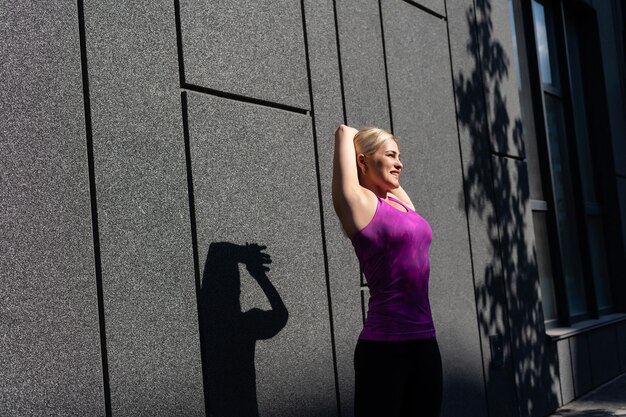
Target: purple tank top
393 252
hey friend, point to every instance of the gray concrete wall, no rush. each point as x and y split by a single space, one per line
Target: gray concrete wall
169 243
141 189
49 327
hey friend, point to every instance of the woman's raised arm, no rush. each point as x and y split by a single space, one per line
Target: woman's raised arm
345 176
352 205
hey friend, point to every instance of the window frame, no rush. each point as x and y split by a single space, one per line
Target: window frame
558 11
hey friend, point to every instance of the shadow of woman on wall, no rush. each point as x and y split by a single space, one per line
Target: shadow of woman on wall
229 335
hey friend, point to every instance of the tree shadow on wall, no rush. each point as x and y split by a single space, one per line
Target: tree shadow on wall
497 192
228 334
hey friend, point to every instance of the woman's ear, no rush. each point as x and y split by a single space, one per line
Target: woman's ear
361 163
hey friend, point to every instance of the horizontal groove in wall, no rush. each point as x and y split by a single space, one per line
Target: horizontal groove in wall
538 205
503 155
426 9
237 97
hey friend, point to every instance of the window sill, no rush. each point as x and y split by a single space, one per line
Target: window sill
558 333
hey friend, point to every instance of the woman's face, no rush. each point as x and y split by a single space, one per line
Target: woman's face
384 166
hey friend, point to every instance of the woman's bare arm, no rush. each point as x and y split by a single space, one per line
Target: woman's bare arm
351 202
345 175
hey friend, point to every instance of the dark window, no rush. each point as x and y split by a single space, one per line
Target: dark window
574 272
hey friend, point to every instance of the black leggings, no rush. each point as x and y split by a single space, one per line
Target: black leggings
396 379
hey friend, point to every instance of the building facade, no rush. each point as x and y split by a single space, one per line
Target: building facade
157 156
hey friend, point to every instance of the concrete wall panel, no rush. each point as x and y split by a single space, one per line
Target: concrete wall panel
581 366
254 181
565 371
147 255
251 48
604 354
50 362
363 63
424 121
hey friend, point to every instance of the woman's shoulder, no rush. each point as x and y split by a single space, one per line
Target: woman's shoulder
361 212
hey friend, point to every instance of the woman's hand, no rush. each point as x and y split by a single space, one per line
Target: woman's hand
346 130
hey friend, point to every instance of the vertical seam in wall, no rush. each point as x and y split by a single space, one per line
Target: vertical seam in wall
321 211
179 44
467 221
190 195
382 36
194 238
343 96
94 208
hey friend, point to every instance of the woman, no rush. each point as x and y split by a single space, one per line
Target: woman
397 362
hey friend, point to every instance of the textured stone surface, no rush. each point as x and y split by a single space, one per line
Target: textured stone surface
424 121
534 359
363 63
250 48
479 195
581 366
343 269
50 362
604 355
254 181
147 256
565 371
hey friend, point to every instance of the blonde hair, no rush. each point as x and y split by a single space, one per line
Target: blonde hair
368 140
